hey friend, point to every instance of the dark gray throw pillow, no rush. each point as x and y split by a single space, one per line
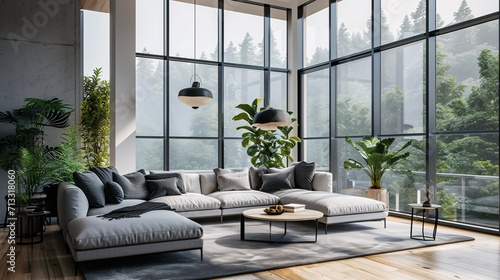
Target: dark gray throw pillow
104 173
113 192
277 181
92 187
133 185
166 175
163 187
290 168
304 173
255 175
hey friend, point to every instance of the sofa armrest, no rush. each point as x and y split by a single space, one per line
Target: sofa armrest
71 204
322 181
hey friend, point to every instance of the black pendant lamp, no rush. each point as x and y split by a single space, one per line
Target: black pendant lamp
271 119
195 96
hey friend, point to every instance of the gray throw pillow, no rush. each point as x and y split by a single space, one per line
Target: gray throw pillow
133 185
221 171
104 173
113 192
92 187
255 175
291 168
237 181
277 181
169 174
163 187
304 173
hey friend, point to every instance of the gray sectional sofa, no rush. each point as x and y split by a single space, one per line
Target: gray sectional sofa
90 237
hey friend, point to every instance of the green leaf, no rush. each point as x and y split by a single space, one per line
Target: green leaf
242 116
245 142
252 150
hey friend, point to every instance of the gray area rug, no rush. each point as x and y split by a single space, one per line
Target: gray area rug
225 254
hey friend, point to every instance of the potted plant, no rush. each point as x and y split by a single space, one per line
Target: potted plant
35 169
378 159
95 119
25 149
266 148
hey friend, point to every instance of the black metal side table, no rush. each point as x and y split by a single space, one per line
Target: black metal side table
34 226
425 210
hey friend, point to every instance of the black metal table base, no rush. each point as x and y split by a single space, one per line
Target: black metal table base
423 236
281 239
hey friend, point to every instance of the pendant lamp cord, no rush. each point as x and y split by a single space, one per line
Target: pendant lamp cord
194 39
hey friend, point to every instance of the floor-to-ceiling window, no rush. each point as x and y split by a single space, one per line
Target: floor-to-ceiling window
426 70
237 50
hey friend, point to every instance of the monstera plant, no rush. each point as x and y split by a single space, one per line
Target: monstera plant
266 148
377 157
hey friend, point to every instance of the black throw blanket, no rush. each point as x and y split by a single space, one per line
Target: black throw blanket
135 211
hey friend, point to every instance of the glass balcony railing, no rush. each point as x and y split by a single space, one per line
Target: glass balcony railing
465 198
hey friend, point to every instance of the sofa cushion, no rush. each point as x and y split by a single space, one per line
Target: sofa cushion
113 192
304 173
104 173
162 187
322 181
276 181
234 199
155 226
133 185
92 187
208 183
331 204
168 174
233 181
189 202
192 182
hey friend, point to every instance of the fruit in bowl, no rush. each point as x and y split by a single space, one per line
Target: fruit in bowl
275 209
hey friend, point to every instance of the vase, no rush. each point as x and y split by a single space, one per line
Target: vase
378 194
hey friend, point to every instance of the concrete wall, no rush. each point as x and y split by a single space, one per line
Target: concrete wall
39 57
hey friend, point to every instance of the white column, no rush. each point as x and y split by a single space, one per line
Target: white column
122 84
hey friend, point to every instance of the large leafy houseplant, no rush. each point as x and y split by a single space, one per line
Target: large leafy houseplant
377 157
95 119
30 122
36 167
25 150
266 148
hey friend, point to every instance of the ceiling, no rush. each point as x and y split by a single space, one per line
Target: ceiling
96 5
103 5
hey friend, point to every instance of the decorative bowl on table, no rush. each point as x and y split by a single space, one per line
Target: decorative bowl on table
274 210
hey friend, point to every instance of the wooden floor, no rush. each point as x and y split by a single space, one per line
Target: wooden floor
479 259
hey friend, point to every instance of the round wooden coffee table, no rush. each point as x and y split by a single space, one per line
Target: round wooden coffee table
259 214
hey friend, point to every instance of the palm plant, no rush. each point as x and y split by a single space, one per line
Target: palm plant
25 149
377 157
266 148
30 122
34 170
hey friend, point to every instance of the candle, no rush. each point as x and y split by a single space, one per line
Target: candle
397 201
418 197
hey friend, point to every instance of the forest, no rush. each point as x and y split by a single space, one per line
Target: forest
465 140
